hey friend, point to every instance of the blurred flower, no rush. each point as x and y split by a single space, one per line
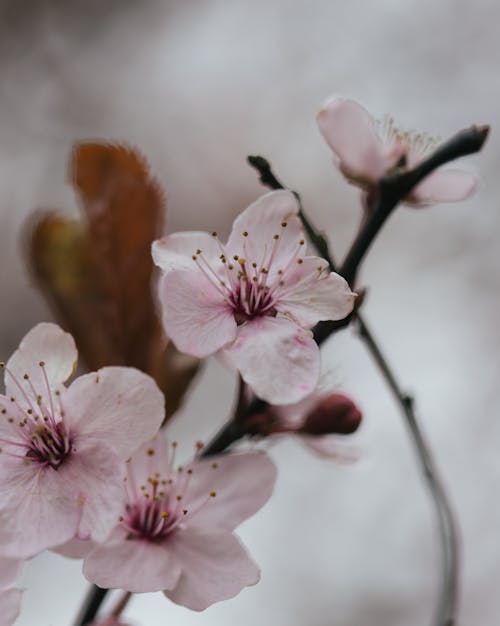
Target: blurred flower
255 297
62 449
366 150
175 533
10 602
319 420
10 598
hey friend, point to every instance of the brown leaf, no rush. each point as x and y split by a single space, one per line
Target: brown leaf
125 208
61 263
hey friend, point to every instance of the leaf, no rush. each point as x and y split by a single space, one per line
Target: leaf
97 274
124 207
62 264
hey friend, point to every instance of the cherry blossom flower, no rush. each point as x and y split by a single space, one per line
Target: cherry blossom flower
366 150
176 529
320 421
255 298
10 598
62 448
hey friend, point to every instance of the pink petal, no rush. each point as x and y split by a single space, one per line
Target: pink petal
50 344
176 251
118 405
277 358
243 484
36 509
10 605
444 185
195 314
263 220
9 571
215 567
350 132
326 298
132 564
75 548
95 474
329 447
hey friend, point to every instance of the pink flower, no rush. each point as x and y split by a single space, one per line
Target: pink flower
62 449
320 420
365 151
254 297
175 532
10 598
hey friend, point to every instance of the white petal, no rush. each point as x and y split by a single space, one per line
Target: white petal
215 567
45 343
326 298
195 315
444 185
350 132
176 251
277 358
120 406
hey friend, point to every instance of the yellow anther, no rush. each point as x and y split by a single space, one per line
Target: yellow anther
255 279
214 466
178 498
241 262
164 514
213 494
301 242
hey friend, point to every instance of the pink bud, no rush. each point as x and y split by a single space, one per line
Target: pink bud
335 413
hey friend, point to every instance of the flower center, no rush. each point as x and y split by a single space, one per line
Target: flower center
158 507
418 144
251 286
36 419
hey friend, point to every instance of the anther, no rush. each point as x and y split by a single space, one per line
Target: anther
276 236
214 466
213 494
236 257
198 251
164 514
301 242
245 233
178 498
214 234
300 261
184 511
42 364
283 224
26 377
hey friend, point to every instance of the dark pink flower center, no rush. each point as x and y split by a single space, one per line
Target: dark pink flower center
156 509
36 419
251 286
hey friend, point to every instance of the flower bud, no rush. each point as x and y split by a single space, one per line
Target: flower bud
335 413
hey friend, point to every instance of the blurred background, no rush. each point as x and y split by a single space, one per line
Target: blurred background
197 85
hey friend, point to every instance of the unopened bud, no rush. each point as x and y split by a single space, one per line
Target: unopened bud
335 413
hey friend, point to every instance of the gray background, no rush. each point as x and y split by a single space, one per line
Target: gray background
197 86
